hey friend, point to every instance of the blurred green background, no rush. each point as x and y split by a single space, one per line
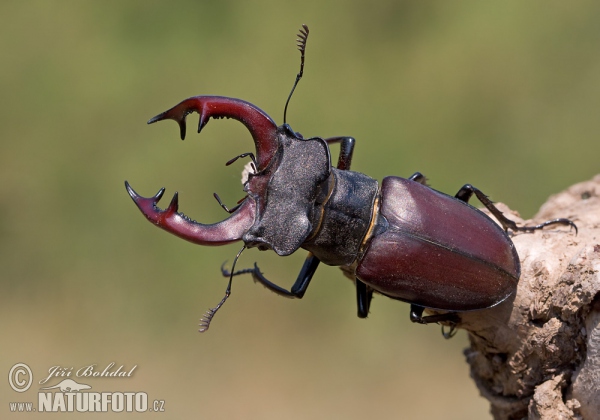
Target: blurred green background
503 95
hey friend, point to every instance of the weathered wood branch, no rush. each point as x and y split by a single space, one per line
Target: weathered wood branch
537 355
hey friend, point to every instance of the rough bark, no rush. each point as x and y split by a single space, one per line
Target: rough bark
537 355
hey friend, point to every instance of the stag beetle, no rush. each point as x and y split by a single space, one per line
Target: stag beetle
401 239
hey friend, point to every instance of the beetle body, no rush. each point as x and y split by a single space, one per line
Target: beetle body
437 251
402 239
405 240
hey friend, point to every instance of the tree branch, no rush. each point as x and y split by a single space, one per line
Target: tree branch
537 355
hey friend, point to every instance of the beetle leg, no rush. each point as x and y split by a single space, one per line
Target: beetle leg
364 294
467 191
346 150
416 315
227 209
230 161
311 263
418 177
448 335
300 285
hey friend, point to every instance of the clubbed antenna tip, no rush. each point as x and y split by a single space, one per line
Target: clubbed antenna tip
210 313
301 43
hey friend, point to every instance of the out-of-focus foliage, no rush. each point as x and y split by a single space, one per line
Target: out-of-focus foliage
503 95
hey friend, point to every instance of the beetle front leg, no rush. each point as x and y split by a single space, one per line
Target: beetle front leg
300 285
467 191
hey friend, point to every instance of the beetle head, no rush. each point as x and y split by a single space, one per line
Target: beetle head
264 133
281 208
288 193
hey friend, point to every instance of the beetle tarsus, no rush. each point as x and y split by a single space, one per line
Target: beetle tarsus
559 221
416 315
467 191
448 335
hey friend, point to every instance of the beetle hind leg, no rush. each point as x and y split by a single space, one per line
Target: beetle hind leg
364 295
416 315
467 191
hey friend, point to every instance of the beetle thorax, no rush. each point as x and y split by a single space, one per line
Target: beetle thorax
348 214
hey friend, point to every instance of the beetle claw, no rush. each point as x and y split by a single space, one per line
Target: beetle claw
448 335
560 221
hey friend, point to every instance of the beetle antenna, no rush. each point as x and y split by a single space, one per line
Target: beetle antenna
208 315
301 43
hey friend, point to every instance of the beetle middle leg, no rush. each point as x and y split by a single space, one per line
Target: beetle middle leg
312 262
467 191
364 293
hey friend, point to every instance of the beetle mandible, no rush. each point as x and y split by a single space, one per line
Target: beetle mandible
401 239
